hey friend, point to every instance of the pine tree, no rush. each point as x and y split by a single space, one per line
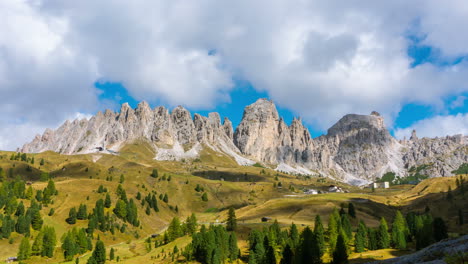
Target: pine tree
340 256
399 230
36 220
440 229
346 226
231 222
166 198
372 239
288 255
191 224
107 201
48 242
24 249
270 257
449 194
71 216
319 233
308 249
360 238
294 235
69 247
99 253
42 162
174 230
233 248
383 237
82 212
425 235
37 245
154 174
20 209
351 210
120 209
112 254
22 225
333 228
204 197
122 178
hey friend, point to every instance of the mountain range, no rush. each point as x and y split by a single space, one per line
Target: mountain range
357 149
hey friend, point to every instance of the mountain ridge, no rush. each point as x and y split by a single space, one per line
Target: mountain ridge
357 149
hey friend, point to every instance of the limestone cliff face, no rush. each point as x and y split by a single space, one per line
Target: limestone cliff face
110 130
356 149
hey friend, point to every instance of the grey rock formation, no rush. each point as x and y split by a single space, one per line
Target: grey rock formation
110 130
356 149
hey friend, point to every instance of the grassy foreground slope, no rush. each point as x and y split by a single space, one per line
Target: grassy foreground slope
254 191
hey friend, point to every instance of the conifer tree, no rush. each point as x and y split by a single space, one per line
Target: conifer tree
107 201
154 203
37 245
372 239
174 230
440 229
383 237
22 225
294 235
360 238
319 233
308 249
191 224
48 242
166 198
399 230
231 222
340 256
449 194
154 174
36 220
270 257
346 226
204 197
82 212
233 248
69 247
20 209
425 236
24 249
287 255
120 209
99 253
333 228
71 216
112 254
351 210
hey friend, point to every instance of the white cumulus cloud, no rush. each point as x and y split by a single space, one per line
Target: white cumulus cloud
321 59
437 126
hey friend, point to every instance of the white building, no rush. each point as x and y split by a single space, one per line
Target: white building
311 191
334 188
384 185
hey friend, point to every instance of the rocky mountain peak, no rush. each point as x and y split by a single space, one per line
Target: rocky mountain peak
413 137
353 122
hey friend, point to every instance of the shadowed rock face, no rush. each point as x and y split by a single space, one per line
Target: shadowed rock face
357 147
